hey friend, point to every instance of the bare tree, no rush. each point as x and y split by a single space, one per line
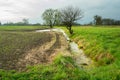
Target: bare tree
70 15
51 17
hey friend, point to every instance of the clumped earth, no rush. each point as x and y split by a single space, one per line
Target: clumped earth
40 50
45 53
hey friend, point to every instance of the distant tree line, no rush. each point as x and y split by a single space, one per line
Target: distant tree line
24 22
0 23
98 20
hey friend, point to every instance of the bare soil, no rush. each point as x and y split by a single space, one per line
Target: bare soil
42 54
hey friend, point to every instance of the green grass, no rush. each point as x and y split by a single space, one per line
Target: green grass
21 28
99 43
63 68
102 44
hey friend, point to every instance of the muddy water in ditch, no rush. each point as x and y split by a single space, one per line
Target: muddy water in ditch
80 58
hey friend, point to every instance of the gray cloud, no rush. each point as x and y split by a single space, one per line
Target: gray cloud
16 10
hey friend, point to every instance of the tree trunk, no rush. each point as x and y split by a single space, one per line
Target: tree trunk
51 26
70 29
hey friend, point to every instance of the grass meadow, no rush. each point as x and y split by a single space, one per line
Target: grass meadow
21 28
101 44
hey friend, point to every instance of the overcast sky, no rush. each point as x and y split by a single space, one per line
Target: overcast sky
16 10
